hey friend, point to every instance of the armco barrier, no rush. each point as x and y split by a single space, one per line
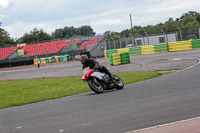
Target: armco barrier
195 44
148 49
179 46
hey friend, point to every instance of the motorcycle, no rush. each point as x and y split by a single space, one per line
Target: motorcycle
98 81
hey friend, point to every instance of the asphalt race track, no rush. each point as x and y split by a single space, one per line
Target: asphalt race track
166 99
167 61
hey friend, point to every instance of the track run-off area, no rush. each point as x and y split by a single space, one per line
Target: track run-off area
167 99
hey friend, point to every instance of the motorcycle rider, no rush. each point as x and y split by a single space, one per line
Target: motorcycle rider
93 64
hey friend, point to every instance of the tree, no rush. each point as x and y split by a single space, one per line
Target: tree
170 19
34 36
186 21
5 38
125 33
198 18
68 32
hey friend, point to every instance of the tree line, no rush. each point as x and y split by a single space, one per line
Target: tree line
188 20
36 35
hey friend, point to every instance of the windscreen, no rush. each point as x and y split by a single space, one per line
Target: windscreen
85 70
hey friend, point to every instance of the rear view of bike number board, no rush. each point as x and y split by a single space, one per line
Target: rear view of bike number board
119 58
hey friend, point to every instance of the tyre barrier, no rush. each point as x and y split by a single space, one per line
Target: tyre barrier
43 60
64 58
47 60
125 57
34 61
109 52
158 48
115 59
57 59
179 46
195 44
135 51
52 59
122 50
37 61
119 58
148 49
161 48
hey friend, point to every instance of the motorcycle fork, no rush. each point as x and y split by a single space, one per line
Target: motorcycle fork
95 80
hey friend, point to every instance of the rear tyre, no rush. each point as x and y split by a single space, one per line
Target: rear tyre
118 83
95 86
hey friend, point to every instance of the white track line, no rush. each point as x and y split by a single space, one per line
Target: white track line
135 131
193 65
168 124
186 68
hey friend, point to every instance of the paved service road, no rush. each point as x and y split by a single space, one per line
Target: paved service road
144 104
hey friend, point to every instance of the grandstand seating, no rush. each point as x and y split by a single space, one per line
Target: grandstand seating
4 52
91 43
38 49
49 47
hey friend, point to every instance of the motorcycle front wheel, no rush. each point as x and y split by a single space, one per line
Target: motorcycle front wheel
118 83
95 86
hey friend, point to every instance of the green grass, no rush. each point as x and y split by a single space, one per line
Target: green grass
20 92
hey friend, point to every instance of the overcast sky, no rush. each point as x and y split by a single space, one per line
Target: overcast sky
21 16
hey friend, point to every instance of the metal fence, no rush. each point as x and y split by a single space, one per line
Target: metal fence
97 49
180 35
188 34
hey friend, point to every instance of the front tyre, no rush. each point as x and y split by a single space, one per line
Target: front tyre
119 84
95 86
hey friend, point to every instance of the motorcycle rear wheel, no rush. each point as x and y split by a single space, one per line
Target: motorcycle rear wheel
118 83
96 87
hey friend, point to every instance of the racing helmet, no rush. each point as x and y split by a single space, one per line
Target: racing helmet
83 58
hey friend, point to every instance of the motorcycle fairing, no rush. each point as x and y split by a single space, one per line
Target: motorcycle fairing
98 75
92 73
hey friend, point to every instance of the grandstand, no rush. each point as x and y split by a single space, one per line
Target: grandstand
10 54
5 52
91 43
48 47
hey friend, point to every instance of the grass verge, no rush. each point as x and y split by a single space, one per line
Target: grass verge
20 92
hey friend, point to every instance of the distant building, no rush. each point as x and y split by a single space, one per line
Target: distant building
155 39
